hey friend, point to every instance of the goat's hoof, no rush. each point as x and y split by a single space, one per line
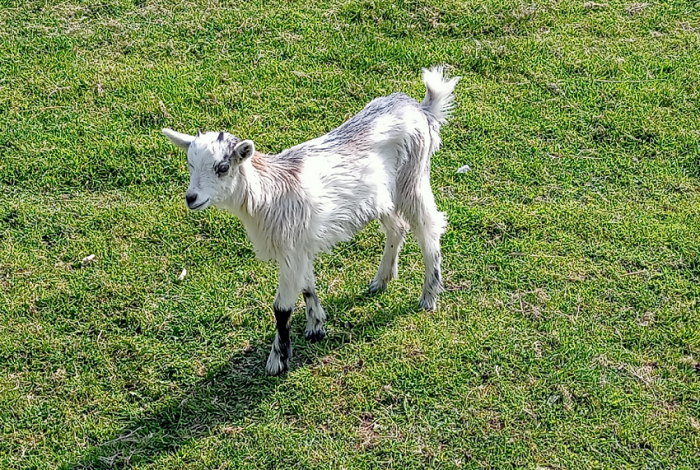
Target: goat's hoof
428 303
376 286
275 366
278 363
314 336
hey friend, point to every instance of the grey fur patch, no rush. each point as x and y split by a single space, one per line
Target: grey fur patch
351 136
436 277
309 296
315 316
229 143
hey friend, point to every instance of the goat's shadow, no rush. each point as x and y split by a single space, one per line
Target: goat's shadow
230 394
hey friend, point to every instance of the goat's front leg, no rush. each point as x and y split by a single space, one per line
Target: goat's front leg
315 315
292 275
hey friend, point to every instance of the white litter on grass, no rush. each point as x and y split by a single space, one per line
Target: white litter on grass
182 275
88 259
464 169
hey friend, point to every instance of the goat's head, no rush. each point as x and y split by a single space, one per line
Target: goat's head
213 159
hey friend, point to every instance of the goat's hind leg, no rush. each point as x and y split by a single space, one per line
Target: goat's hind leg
395 228
315 315
428 225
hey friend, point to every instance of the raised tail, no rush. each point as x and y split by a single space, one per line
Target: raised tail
438 100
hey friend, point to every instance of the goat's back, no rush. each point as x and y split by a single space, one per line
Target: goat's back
350 176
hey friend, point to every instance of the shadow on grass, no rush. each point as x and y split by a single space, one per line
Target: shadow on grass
229 395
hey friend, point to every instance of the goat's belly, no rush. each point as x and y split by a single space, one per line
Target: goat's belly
345 221
345 201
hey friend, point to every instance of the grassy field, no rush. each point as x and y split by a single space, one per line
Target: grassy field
569 336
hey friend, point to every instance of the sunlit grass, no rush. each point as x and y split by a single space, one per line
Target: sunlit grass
569 334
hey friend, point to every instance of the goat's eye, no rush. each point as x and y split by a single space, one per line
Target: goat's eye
222 168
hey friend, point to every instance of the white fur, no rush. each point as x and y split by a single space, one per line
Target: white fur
440 99
308 198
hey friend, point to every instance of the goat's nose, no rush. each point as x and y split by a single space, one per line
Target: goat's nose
190 198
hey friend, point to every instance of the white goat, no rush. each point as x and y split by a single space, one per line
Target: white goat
310 197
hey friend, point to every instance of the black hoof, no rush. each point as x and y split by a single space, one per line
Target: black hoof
428 304
278 361
314 336
376 287
276 366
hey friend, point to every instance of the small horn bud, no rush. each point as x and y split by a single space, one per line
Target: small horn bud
221 137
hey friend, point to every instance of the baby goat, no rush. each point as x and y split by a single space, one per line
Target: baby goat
310 197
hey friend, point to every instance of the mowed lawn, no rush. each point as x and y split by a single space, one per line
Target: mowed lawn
569 335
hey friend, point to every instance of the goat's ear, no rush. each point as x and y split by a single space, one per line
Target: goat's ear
244 150
181 140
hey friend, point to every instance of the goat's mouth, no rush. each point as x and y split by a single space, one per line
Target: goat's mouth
199 206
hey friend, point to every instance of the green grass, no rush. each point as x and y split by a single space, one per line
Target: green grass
570 333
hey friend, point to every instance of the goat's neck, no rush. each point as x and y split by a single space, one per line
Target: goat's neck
256 185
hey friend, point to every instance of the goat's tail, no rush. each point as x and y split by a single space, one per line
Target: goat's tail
438 100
